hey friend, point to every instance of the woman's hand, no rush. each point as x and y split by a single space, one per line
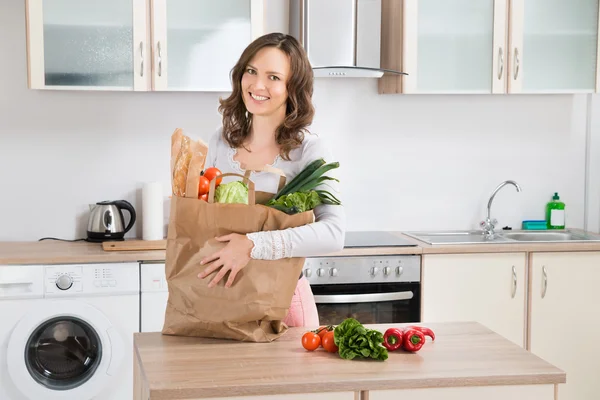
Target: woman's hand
233 257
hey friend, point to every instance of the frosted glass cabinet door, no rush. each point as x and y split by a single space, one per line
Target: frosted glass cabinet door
455 46
197 42
89 44
554 46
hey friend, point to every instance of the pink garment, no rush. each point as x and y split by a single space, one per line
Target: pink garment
303 310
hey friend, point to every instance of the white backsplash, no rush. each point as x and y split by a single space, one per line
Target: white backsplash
407 162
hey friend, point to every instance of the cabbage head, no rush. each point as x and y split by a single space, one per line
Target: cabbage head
232 192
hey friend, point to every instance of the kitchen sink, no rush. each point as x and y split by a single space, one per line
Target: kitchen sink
549 236
477 237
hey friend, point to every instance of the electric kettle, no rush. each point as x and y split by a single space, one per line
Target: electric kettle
106 220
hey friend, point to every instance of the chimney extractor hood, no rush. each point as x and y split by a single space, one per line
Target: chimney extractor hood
342 37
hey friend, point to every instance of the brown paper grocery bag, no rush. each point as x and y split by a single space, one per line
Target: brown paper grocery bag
254 307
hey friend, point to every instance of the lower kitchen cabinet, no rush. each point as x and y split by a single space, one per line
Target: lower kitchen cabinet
565 318
485 287
525 392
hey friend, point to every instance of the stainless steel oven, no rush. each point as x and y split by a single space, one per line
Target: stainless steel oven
371 289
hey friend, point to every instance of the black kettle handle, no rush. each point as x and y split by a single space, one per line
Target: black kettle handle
124 204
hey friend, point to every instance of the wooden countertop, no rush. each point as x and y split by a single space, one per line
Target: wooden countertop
464 354
56 252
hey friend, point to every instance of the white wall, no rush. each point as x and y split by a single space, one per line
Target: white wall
408 162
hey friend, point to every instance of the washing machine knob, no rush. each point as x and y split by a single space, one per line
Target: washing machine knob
64 282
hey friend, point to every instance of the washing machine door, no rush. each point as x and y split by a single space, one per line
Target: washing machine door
64 350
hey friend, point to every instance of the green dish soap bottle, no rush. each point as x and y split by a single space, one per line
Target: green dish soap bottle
555 213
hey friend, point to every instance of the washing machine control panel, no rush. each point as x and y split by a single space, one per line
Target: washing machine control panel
65 278
91 278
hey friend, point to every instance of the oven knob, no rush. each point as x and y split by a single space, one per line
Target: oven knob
374 271
333 272
308 272
64 282
320 272
399 270
387 271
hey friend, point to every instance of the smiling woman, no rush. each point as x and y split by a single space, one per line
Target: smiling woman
265 122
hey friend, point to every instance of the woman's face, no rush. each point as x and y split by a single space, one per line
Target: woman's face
264 82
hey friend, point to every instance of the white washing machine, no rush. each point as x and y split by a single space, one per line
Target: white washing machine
66 331
154 296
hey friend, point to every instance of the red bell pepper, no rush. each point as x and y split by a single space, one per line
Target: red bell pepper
423 330
413 340
392 339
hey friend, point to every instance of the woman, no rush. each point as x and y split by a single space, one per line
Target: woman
265 122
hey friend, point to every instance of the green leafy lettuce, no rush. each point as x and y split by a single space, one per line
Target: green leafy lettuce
354 340
296 202
232 192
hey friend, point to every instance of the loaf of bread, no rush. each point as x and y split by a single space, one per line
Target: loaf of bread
187 162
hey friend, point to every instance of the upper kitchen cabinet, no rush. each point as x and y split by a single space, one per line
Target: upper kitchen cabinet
553 46
196 43
86 44
445 46
166 45
490 46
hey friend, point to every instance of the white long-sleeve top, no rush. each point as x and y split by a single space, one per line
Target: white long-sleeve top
326 234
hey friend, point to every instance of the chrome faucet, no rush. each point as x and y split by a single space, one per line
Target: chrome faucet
489 224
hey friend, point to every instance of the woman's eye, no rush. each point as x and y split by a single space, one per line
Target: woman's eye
250 71
274 78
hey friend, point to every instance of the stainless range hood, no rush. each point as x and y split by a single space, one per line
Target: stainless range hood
342 37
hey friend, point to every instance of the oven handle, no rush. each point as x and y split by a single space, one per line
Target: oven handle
363 298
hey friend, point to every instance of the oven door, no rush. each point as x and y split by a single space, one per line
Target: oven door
372 303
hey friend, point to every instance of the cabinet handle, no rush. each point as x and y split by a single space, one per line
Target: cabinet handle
514 285
544 281
159 59
142 58
516 74
500 63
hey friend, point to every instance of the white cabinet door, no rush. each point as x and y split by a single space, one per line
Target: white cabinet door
554 46
196 43
487 288
454 46
84 44
565 321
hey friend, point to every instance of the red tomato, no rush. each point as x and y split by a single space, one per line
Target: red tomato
212 172
203 186
323 329
328 342
204 197
311 341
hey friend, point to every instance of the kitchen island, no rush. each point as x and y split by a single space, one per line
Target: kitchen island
467 361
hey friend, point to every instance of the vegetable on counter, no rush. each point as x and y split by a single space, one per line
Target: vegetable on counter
392 339
413 340
311 341
425 331
354 340
328 342
300 194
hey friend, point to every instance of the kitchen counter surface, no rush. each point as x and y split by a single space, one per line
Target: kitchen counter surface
464 354
56 252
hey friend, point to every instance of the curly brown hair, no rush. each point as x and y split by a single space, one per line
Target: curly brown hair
299 108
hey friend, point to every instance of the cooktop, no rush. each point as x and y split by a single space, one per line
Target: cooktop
375 239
